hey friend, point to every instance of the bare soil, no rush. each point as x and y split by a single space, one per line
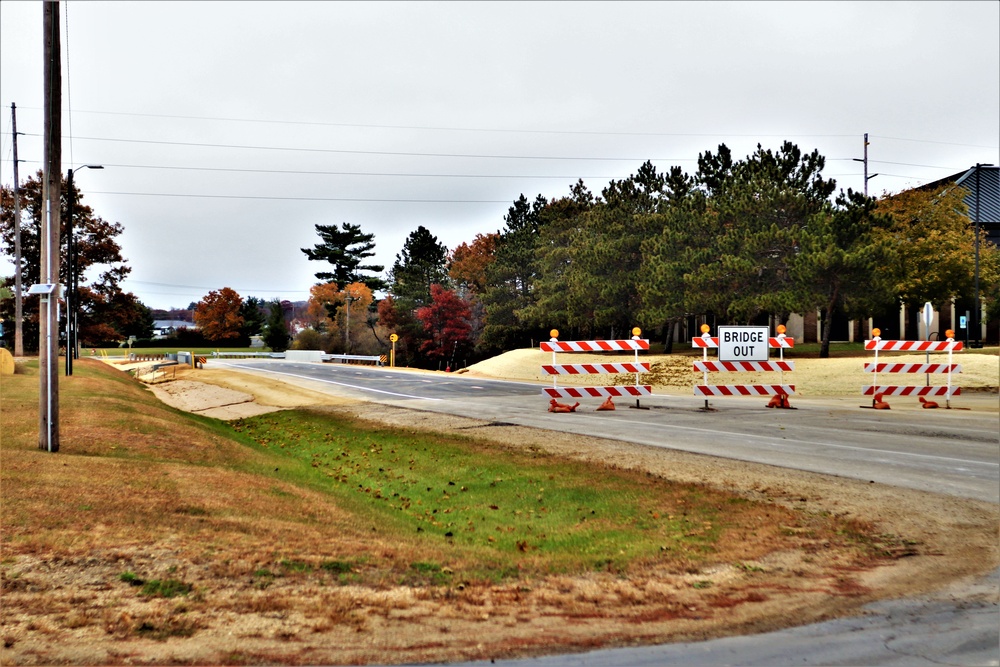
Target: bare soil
932 543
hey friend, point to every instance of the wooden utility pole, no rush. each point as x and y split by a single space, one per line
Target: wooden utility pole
48 315
866 164
18 301
865 160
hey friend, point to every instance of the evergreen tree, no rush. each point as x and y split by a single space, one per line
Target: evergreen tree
276 334
762 204
346 248
253 312
842 264
510 278
422 262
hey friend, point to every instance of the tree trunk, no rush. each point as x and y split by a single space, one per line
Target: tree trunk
824 349
668 343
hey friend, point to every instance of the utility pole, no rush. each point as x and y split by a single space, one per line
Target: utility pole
349 299
865 160
18 302
48 330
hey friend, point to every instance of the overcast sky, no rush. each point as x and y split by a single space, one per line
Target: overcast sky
228 130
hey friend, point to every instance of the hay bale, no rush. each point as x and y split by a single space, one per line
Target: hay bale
6 362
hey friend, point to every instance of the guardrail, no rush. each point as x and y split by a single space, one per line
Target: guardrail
351 359
252 355
325 358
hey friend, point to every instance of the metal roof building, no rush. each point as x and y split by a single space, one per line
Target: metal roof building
983 185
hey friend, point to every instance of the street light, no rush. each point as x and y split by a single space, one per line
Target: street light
73 279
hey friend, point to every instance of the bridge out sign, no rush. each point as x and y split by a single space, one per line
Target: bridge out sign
743 343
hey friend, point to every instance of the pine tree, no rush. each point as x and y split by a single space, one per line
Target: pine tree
346 248
421 263
276 334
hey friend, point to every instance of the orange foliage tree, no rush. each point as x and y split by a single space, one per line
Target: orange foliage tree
467 263
327 313
321 296
218 315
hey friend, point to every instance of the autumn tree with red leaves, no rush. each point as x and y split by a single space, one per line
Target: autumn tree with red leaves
218 315
446 322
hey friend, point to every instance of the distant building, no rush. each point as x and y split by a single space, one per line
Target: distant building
164 328
983 185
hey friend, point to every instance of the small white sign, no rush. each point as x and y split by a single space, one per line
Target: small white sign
743 343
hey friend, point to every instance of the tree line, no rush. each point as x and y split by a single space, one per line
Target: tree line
738 240
764 236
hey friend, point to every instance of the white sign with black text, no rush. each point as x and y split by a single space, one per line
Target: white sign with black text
743 343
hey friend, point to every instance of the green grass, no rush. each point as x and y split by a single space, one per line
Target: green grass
470 495
165 588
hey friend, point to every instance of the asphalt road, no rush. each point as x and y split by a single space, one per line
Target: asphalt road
954 452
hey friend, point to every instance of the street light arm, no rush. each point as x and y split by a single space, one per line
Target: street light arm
73 278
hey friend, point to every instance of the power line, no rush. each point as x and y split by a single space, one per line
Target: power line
201 287
452 128
931 141
417 154
307 172
512 130
515 131
363 152
347 199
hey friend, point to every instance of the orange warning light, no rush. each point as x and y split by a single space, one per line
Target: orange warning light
781 329
636 331
950 333
705 328
876 332
554 333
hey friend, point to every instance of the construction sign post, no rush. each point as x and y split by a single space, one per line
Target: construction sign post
744 350
878 391
633 344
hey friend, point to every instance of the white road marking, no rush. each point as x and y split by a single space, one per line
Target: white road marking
339 384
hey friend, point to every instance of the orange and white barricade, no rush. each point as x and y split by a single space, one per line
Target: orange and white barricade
876 344
554 369
780 366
